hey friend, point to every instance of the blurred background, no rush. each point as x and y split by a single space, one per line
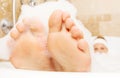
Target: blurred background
100 17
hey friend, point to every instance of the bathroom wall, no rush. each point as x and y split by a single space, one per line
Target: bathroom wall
99 16
5 12
6 9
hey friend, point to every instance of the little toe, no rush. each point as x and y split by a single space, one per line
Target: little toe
83 46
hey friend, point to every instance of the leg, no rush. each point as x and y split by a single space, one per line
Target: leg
29 50
66 43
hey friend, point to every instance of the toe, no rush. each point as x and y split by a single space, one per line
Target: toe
55 21
65 16
14 34
69 23
76 33
83 46
20 27
34 24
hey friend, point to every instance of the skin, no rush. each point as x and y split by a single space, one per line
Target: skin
65 44
99 47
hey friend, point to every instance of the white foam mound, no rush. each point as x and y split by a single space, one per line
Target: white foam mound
4 50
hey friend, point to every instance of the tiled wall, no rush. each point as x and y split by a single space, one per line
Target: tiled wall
6 9
99 16
93 22
5 12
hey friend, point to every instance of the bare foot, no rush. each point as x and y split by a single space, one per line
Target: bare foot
30 50
66 44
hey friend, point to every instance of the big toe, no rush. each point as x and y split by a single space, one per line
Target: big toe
55 21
